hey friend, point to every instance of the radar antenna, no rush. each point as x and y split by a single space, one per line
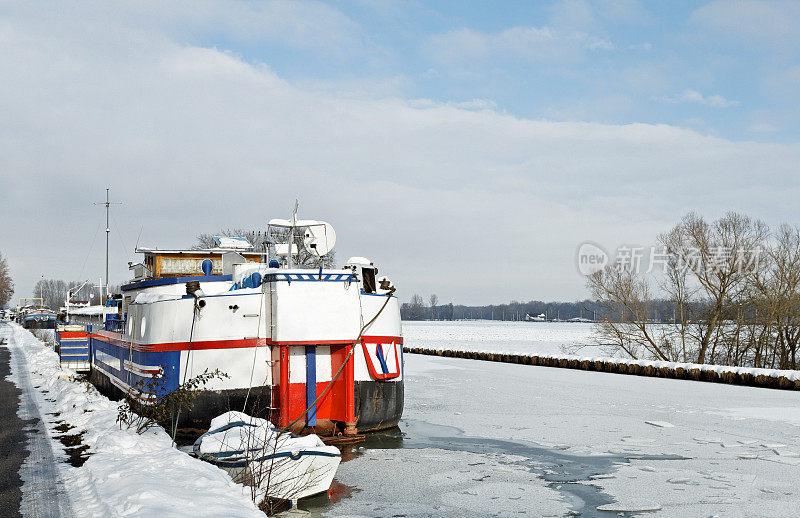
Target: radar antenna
318 237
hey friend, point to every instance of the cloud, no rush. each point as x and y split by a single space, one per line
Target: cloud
194 139
298 24
763 127
528 44
630 12
784 83
574 15
693 96
591 16
470 105
752 22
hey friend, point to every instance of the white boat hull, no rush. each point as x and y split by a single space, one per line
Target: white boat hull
288 478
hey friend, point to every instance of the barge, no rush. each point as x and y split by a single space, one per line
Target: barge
313 349
35 315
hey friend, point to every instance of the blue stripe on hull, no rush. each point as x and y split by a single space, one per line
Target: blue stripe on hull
175 280
111 359
311 385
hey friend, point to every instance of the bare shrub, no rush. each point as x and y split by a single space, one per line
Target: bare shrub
165 406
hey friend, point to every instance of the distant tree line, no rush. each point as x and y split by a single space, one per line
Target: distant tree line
516 311
418 309
54 292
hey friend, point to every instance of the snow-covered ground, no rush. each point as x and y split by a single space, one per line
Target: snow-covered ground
484 438
478 439
540 338
126 474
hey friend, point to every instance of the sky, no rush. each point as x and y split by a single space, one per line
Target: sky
467 148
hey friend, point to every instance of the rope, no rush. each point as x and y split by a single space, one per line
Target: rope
195 310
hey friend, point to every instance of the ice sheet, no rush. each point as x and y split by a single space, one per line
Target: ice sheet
722 456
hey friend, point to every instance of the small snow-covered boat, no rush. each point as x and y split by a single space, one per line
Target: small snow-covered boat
38 318
278 464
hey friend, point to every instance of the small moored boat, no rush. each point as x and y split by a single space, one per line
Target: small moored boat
277 464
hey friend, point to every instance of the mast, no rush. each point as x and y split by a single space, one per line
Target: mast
108 204
292 225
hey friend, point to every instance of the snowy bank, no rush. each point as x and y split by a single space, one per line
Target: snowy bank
125 474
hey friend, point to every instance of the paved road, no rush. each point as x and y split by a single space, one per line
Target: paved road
12 437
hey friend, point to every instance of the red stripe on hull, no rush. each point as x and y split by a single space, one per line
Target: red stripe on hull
73 334
118 340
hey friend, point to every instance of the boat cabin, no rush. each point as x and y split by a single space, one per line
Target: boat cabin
162 264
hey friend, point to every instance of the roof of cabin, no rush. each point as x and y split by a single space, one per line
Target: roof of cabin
202 251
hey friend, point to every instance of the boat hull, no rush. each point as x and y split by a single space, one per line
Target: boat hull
378 404
286 477
39 320
326 356
207 405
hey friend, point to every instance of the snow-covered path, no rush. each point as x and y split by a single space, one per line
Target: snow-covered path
484 438
43 491
126 474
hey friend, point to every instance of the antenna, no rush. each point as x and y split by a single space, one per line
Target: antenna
292 224
317 239
139 237
108 204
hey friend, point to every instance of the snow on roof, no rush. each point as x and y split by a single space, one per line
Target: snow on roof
92 310
236 243
192 251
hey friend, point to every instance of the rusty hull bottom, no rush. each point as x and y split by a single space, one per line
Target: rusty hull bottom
378 404
207 405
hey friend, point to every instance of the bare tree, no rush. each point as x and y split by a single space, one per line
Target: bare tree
624 299
718 257
261 240
775 299
255 238
54 292
434 301
416 308
707 277
6 284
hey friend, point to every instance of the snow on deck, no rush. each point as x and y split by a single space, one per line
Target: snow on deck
126 474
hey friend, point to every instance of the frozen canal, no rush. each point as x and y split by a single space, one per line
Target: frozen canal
484 438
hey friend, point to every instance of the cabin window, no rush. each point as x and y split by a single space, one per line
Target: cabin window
369 279
142 327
